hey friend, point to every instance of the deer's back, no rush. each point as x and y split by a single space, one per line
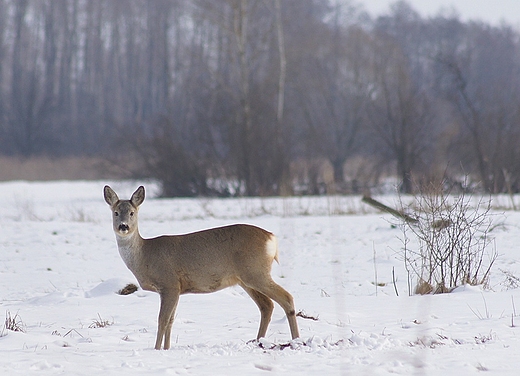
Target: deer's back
212 259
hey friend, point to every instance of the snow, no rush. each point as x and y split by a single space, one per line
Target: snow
60 271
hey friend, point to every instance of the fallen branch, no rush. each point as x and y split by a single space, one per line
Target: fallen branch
379 205
305 316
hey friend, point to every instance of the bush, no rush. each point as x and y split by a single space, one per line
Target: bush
453 241
157 153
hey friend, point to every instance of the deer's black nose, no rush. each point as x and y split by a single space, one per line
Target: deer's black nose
123 227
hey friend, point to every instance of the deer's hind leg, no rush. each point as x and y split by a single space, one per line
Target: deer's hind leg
265 305
266 286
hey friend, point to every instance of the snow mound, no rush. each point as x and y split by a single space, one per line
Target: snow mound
108 287
52 298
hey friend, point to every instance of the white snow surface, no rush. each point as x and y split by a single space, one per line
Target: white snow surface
60 271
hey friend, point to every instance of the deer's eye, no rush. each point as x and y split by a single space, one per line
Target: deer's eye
131 214
116 214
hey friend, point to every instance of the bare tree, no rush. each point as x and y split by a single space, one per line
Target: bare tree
486 103
400 114
251 71
31 97
3 54
249 87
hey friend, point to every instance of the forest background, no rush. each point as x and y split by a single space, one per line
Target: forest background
253 97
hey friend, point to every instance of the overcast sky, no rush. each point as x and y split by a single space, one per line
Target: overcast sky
490 11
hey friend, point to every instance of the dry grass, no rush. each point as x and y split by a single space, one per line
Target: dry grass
128 289
511 281
100 323
14 323
45 169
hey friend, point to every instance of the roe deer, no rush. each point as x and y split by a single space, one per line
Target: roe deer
199 262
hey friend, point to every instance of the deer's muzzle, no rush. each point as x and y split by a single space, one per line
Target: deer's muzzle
123 227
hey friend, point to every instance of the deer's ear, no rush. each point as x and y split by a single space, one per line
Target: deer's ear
110 196
138 197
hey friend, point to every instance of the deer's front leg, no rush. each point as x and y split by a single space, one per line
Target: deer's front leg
169 300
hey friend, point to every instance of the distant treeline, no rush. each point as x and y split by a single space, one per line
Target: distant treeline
259 97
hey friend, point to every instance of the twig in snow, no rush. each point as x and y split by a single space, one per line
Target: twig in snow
304 316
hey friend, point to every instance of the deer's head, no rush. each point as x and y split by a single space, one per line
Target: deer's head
124 212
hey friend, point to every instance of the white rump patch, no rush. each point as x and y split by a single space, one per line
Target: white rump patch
271 247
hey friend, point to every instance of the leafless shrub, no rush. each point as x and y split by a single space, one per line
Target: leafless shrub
155 150
453 241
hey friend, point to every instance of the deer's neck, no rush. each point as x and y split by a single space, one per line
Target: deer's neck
130 248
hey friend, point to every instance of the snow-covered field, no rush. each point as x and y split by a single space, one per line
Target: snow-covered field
60 269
